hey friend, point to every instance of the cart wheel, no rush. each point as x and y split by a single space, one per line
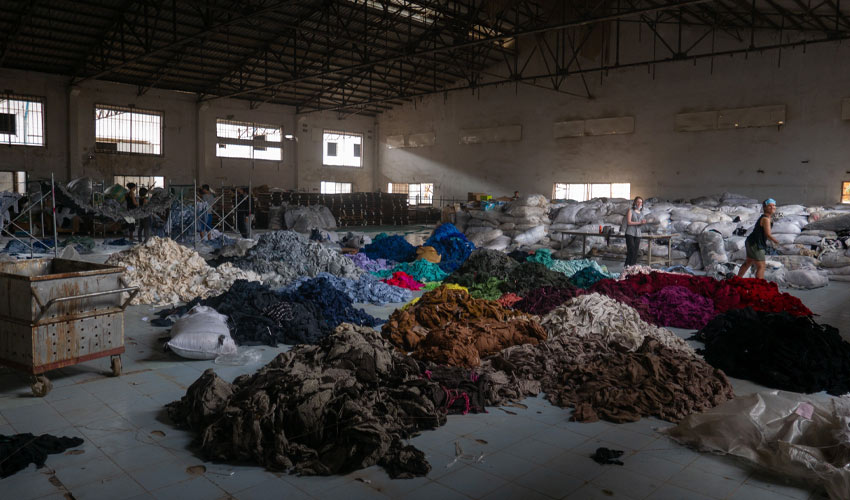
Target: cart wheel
41 386
116 366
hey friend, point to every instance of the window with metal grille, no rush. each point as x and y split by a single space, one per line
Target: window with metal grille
13 182
331 187
584 192
845 192
417 194
342 149
254 141
21 120
142 181
121 129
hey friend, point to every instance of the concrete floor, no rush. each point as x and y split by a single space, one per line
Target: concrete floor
131 449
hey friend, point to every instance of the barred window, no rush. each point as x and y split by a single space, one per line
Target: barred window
142 181
121 129
21 120
342 149
584 192
254 141
14 182
417 194
331 187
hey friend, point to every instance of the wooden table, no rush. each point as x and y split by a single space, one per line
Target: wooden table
648 237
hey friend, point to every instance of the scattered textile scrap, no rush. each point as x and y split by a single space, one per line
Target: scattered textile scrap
778 350
421 270
167 272
343 405
449 327
20 450
390 248
606 456
403 280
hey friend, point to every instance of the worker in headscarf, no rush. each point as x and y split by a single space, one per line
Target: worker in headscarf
756 243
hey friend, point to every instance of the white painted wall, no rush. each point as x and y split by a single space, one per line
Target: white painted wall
189 138
803 161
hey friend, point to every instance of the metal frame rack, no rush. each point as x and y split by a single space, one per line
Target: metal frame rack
35 199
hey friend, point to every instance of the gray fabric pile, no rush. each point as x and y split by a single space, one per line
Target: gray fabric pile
305 219
281 257
78 193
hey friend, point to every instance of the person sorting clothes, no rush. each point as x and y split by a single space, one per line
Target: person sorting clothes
632 222
756 243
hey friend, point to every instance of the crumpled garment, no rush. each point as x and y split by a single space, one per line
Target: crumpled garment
248 306
284 256
543 300
167 272
38 246
363 261
82 244
481 265
530 275
366 289
336 306
487 290
403 280
343 405
586 278
783 433
778 350
678 307
390 248
450 327
421 270
606 456
543 256
508 300
20 450
428 253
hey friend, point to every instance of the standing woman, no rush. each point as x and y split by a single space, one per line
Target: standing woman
633 221
132 204
757 241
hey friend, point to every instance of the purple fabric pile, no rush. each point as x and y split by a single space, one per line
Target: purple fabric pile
678 307
363 261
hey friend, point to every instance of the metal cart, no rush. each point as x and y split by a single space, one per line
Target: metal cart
58 312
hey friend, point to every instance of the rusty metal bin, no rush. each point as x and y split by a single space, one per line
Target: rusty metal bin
58 312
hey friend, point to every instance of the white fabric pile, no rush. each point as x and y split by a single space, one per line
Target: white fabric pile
167 272
599 315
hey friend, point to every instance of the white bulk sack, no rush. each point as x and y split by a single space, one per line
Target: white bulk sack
834 259
531 236
201 334
500 243
806 278
712 249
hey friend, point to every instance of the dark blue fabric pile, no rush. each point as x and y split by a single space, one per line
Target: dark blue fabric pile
335 305
39 246
390 248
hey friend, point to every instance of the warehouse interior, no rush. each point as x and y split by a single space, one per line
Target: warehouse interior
385 249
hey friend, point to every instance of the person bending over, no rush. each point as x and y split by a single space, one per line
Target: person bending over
633 221
757 241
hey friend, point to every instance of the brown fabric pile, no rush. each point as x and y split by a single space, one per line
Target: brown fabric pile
342 405
605 361
447 326
428 253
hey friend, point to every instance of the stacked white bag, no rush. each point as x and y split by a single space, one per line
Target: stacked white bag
201 334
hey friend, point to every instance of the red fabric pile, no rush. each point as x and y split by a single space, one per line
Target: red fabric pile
404 280
733 293
508 300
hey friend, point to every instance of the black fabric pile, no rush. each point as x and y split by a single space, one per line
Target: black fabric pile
342 405
481 265
20 450
246 304
519 255
530 275
778 350
336 306
607 456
